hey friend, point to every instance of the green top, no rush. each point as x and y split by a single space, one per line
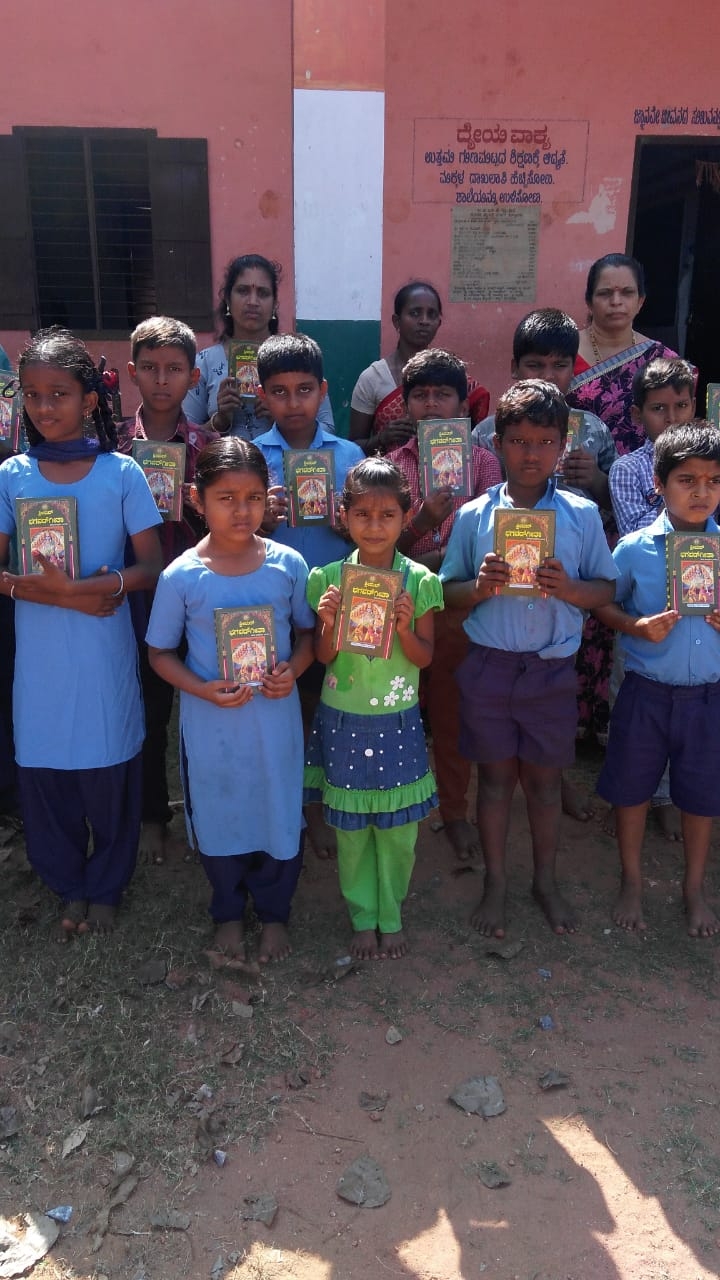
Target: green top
375 686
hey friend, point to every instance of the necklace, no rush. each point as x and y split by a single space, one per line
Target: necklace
596 349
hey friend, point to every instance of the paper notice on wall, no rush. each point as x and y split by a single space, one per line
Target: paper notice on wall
494 255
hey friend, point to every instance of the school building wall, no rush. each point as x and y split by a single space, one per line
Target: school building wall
221 72
335 132
579 84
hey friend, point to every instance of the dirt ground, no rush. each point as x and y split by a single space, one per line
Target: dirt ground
614 1176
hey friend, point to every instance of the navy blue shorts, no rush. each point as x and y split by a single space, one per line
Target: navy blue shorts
652 723
517 706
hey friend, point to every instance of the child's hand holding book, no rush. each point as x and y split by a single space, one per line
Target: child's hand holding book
328 606
221 694
404 612
655 627
493 575
279 682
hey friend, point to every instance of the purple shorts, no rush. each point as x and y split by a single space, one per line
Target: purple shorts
517 706
652 723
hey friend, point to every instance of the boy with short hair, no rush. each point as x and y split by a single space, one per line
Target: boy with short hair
545 345
663 396
435 385
162 366
517 684
669 701
293 386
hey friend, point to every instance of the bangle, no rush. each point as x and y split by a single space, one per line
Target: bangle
12 591
121 589
413 529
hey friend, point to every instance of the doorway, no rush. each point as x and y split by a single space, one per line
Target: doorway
674 230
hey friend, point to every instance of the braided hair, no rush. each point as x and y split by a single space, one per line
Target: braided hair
60 347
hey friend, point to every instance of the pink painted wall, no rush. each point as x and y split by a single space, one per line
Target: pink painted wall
523 60
222 71
339 44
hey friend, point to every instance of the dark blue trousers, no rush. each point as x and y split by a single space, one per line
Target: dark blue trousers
61 807
270 883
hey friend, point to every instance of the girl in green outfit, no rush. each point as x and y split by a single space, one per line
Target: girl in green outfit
367 759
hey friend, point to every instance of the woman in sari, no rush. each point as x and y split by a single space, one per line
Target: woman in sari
378 416
611 352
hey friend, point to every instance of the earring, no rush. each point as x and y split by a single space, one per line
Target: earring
274 318
227 309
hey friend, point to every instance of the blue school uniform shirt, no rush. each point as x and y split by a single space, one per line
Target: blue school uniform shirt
550 628
690 653
242 767
320 544
76 694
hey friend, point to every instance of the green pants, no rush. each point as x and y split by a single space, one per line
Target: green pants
375 867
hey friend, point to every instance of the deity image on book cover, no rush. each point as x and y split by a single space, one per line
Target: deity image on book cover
524 538
366 618
310 485
9 390
693 572
246 644
163 463
445 456
572 440
47 527
242 366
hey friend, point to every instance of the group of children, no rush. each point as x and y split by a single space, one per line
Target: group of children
497 674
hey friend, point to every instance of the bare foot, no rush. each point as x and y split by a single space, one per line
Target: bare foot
274 943
560 915
151 848
668 820
100 919
489 915
463 838
701 919
364 945
230 938
574 803
628 909
393 945
73 915
322 836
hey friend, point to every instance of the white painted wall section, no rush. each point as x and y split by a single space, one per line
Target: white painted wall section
338 170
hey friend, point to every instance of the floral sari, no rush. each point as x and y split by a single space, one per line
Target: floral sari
605 389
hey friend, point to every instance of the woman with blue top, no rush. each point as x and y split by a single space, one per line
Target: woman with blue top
248 313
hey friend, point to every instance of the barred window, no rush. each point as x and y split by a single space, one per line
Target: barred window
104 228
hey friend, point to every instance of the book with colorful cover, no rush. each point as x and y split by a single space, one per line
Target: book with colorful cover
9 390
365 620
246 644
693 572
310 485
48 527
523 538
242 366
445 455
163 463
574 435
712 412
20 442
